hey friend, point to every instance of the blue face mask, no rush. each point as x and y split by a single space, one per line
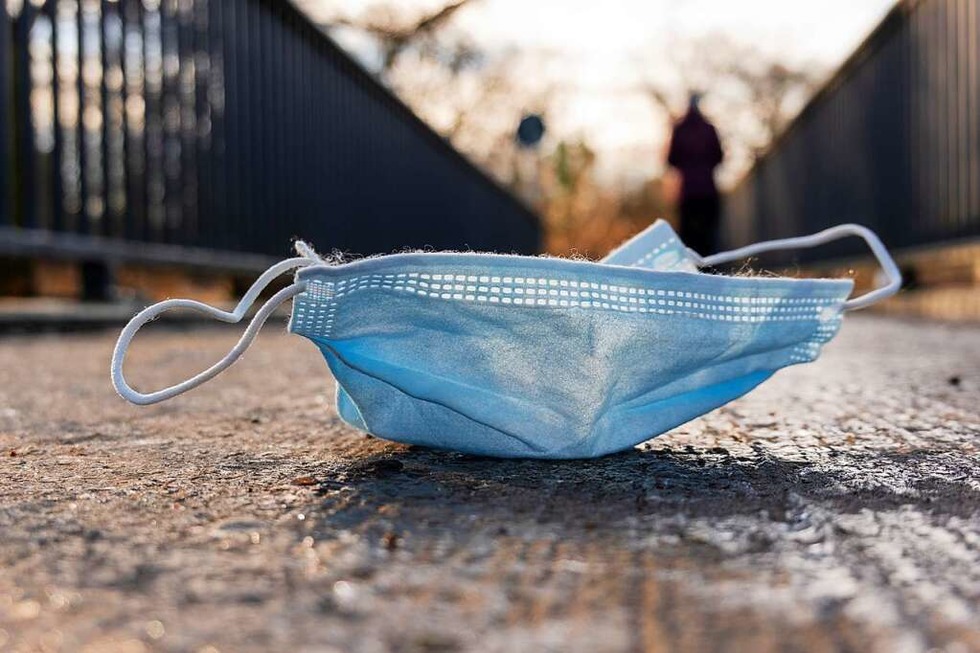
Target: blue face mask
517 356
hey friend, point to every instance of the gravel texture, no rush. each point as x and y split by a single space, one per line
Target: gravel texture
835 508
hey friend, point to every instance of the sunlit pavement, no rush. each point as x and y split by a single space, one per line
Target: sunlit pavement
835 508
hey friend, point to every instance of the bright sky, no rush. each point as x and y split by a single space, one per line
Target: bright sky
597 45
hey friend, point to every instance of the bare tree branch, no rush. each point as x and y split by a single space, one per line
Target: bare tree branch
394 39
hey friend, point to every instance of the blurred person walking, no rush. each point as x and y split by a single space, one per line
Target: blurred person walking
695 152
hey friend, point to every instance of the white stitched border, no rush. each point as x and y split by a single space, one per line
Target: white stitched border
649 256
808 351
315 308
439 284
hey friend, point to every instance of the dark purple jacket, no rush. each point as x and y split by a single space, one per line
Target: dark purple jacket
695 151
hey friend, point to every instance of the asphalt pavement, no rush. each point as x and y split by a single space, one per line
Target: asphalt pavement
835 508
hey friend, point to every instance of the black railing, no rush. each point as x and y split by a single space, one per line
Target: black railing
892 141
212 132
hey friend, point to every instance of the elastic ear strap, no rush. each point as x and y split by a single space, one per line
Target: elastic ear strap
885 260
152 312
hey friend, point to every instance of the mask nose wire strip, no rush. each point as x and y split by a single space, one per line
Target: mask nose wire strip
885 260
152 312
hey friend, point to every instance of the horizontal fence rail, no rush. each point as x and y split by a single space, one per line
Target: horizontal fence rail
196 130
891 142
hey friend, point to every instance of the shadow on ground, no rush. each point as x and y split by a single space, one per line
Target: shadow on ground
415 491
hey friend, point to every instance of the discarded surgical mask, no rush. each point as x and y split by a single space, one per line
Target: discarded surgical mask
538 357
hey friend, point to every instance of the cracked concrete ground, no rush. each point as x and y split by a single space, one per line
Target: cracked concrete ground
835 508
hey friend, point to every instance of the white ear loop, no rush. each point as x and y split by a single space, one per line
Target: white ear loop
152 312
840 231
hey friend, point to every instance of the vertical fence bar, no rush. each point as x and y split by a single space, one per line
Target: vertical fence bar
963 105
920 137
106 122
278 124
171 118
283 125
95 119
259 101
40 67
947 42
306 173
84 171
245 137
114 115
216 190
108 47
903 147
25 168
288 127
200 51
294 49
6 56
186 96
57 152
134 119
237 142
156 181
942 117
973 21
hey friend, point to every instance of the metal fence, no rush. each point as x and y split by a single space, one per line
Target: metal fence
211 132
892 141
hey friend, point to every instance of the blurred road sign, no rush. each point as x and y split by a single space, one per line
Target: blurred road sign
530 131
